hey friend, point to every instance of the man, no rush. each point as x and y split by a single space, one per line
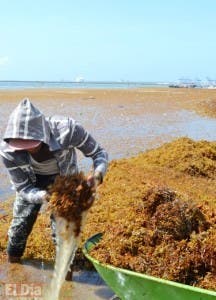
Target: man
34 150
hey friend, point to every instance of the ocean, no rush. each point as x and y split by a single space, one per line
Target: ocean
8 85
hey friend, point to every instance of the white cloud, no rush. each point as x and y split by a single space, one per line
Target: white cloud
4 60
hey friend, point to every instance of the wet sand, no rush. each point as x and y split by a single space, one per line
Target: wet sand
125 122
86 285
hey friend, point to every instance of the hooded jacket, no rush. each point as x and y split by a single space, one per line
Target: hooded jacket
62 135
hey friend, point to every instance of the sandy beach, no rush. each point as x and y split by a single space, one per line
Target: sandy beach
125 122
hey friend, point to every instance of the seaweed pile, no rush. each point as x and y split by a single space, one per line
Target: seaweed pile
157 217
164 237
185 155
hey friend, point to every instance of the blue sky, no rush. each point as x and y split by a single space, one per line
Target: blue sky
107 40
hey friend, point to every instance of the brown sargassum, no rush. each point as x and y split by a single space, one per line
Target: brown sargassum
70 196
162 236
157 213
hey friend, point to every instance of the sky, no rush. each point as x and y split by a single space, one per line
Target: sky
112 40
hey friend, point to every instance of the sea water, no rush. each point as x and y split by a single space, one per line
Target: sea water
8 85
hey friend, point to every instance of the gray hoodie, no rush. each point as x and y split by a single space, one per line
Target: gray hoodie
62 134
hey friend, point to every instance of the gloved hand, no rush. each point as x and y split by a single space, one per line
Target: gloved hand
44 200
95 180
43 195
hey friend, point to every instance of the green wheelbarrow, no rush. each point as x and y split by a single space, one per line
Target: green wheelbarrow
129 285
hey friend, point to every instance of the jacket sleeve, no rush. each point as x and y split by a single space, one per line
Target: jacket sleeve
84 141
22 183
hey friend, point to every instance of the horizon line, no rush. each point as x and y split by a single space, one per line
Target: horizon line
86 81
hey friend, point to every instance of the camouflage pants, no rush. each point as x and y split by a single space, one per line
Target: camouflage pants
24 217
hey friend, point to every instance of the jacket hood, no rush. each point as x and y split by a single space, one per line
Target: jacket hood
27 122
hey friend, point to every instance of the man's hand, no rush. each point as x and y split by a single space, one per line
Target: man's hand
44 200
43 196
95 180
